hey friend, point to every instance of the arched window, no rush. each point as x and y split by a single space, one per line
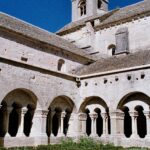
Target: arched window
82 7
112 49
61 64
99 4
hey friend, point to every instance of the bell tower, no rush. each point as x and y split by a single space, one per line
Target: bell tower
86 8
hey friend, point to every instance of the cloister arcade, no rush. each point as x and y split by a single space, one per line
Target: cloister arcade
16 113
94 115
136 115
59 115
20 116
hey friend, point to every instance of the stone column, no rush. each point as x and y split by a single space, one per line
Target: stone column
21 127
82 127
147 114
9 109
61 126
117 123
93 117
134 116
105 124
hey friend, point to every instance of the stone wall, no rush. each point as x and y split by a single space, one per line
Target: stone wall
101 40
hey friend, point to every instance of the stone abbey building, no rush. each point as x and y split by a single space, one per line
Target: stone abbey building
90 79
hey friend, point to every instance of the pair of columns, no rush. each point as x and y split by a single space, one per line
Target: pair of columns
39 123
61 116
93 116
21 126
117 123
134 116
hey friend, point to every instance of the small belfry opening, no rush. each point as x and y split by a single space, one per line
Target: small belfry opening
82 7
99 4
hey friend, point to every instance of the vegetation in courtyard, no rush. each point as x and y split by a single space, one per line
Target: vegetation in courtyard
83 144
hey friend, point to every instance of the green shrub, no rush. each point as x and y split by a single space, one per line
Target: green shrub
83 144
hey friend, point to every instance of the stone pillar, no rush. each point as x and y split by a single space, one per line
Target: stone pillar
82 127
93 117
117 123
74 10
91 7
61 126
71 129
39 123
134 116
21 127
9 109
147 114
105 124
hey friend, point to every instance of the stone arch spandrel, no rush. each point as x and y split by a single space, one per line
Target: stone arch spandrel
92 100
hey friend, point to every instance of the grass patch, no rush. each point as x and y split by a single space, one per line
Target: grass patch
83 144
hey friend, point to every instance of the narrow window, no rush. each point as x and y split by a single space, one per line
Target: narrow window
99 4
112 49
61 64
82 7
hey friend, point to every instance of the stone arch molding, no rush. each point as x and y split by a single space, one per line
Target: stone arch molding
92 103
134 98
63 103
22 97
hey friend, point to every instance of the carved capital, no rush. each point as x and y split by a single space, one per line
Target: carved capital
82 117
93 115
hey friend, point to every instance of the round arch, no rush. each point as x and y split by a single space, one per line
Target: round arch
135 102
20 96
12 105
60 108
92 100
133 96
63 102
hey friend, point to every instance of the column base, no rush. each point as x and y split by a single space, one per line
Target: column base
134 136
104 135
94 136
147 136
61 135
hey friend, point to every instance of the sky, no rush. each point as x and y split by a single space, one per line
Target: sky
48 14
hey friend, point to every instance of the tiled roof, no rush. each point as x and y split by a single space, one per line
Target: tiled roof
117 62
20 27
